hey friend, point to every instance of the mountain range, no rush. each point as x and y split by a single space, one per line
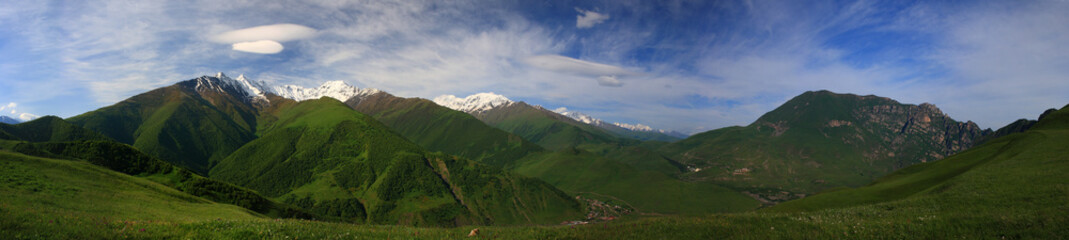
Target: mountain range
361 155
320 155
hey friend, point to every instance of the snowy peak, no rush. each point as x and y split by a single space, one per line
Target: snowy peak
241 87
583 118
578 116
636 127
255 91
334 89
478 102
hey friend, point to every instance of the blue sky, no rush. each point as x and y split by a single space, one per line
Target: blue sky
681 65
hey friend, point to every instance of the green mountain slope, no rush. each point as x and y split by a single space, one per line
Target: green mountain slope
188 127
821 140
322 155
47 128
546 128
438 128
1019 168
647 191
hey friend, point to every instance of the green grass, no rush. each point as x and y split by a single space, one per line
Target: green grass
68 199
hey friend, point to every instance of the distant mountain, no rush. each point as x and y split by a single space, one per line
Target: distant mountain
820 140
8 120
323 156
475 103
481 104
634 131
335 89
1021 125
534 123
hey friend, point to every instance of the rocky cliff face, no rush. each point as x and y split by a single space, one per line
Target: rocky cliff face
903 128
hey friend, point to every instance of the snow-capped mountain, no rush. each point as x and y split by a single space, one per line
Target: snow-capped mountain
252 91
578 116
637 127
615 126
9 120
258 90
581 117
334 89
478 102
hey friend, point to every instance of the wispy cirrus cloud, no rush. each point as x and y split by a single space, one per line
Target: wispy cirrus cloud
587 19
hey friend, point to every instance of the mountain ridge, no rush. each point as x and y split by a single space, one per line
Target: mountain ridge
819 140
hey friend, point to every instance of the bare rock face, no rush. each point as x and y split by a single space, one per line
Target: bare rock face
923 128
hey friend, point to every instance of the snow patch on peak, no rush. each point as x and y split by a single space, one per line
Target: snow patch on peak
636 127
578 116
335 89
583 118
243 87
478 102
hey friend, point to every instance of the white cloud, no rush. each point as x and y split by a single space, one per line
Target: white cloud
609 81
587 19
562 64
261 47
277 32
11 108
264 39
26 116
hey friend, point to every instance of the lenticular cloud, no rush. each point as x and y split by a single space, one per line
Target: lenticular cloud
261 47
266 39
